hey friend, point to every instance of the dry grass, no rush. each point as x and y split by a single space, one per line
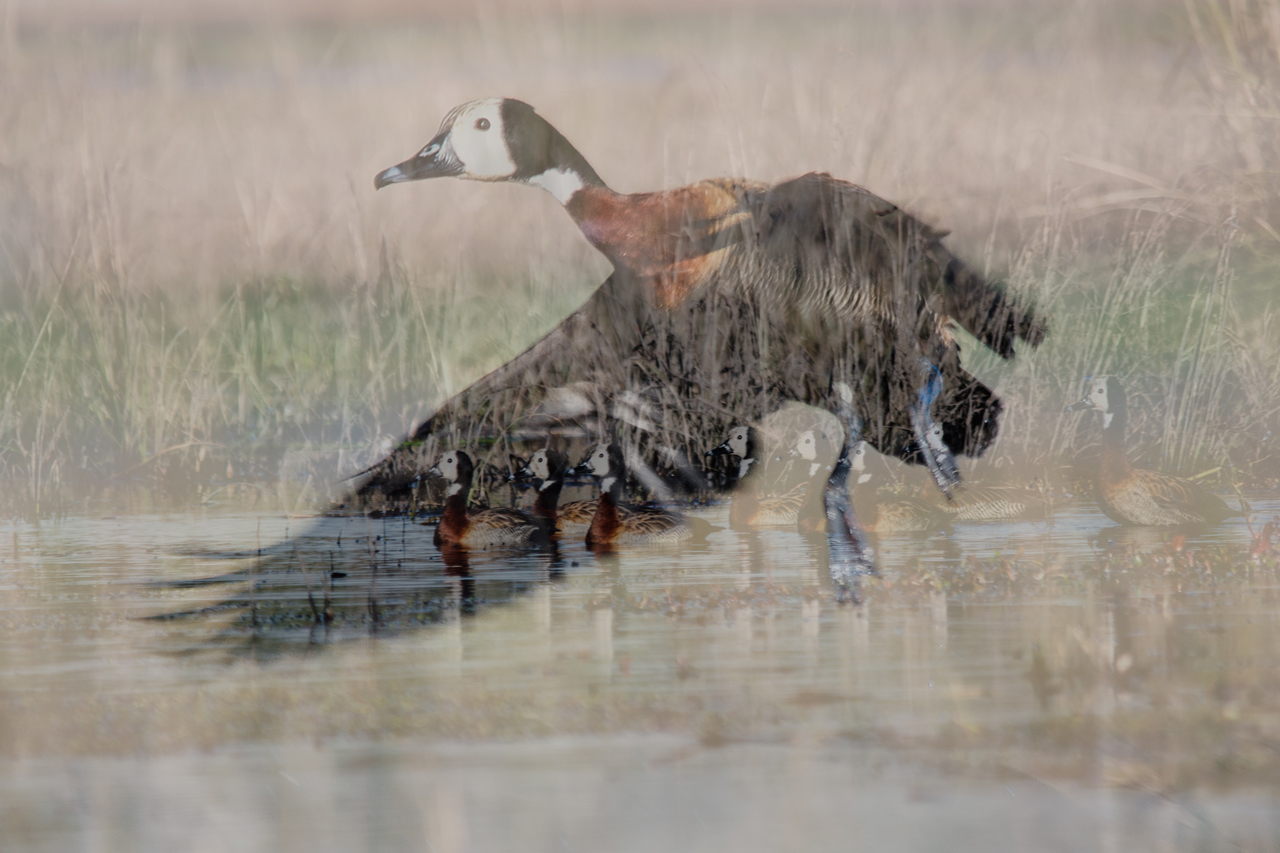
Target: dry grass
195 270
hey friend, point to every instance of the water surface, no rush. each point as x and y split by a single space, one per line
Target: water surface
1058 684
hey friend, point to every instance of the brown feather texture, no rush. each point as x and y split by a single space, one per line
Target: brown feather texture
1131 495
500 527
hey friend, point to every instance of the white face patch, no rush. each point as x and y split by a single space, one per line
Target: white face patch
561 183
600 461
738 441
1096 394
448 466
538 464
807 446
934 439
477 141
859 461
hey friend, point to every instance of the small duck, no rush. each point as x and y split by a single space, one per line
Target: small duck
547 468
891 515
1136 496
500 527
639 525
751 506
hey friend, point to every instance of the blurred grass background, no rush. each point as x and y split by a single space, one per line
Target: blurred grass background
199 286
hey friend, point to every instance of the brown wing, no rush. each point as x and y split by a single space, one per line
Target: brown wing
1183 499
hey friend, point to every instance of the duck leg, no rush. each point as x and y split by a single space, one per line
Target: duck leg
938 457
851 556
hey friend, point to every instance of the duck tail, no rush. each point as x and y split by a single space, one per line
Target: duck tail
986 309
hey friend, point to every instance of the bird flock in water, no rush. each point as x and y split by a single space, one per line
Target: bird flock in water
734 301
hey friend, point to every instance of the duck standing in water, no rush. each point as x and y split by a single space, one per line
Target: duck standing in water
1131 495
638 525
499 527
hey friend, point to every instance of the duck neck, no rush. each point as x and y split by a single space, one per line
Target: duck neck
604 524
1115 465
746 497
455 502
544 506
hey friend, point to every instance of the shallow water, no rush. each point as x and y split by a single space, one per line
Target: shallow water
1036 685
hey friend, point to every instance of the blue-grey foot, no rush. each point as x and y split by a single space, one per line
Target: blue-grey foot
938 457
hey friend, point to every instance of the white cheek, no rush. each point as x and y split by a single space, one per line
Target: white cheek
483 153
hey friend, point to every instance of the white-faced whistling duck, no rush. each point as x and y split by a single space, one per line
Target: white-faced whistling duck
547 468
642 525
707 275
890 514
751 506
497 528
1131 495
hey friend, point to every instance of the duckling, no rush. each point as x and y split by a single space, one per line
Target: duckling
1131 495
547 468
751 507
888 515
498 527
707 275
642 525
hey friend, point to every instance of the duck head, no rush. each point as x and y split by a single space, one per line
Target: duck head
456 467
546 465
1103 394
497 139
741 443
813 447
605 463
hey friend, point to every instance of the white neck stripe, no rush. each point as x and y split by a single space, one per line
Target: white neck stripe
561 183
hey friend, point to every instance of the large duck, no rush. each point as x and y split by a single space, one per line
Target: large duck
726 295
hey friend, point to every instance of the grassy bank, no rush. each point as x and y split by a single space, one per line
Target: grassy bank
199 287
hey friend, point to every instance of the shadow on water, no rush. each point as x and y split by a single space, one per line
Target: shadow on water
354 578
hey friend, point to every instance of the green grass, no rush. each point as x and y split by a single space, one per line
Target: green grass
198 285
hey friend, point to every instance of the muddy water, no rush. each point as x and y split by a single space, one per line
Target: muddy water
1061 685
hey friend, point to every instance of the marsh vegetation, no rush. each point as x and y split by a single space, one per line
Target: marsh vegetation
200 288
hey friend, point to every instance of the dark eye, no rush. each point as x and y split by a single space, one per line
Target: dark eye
482 124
